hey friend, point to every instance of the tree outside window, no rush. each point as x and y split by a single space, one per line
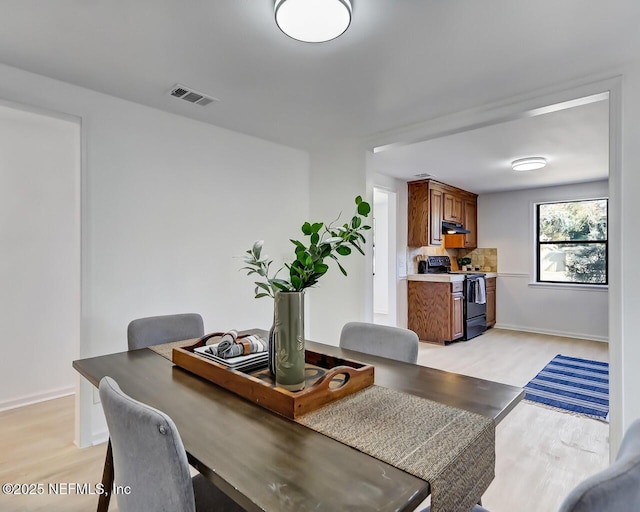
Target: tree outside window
572 242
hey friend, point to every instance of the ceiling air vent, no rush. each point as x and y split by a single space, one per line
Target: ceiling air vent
191 95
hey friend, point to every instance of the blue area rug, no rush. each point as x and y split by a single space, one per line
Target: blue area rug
578 386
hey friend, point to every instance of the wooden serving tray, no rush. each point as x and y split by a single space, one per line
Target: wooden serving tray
328 378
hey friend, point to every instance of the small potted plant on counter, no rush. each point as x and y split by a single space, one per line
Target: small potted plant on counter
464 263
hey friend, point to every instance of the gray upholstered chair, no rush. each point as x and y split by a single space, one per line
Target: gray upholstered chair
380 340
615 489
155 330
149 458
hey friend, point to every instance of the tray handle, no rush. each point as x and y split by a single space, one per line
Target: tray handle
203 340
325 381
207 337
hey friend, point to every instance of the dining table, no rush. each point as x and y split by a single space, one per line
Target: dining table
266 462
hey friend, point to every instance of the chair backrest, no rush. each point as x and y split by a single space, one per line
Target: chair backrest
148 455
381 340
617 488
154 330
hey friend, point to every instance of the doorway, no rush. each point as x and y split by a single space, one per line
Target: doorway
499 223
384 257
40 263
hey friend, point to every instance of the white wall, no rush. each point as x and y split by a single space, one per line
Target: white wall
338 175
169 204
40 261
506 221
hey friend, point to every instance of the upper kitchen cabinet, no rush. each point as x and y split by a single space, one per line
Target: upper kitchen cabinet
418 214
436 211
431 202
426 213
470 223
453 204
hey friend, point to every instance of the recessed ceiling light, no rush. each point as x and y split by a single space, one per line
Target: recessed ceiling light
313 21
529 164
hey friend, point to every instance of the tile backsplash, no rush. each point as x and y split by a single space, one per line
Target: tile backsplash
486 259
415 254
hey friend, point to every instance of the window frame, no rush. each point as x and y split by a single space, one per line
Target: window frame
539 244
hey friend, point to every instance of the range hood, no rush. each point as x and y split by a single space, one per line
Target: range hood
453 228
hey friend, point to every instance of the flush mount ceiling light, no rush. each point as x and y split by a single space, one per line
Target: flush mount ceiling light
529 164
313 21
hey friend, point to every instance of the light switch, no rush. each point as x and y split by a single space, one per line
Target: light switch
402 266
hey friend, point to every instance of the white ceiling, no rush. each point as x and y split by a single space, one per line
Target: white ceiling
400 62
575 142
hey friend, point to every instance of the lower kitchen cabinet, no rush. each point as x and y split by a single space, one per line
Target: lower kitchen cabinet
491 301
457 315
436 310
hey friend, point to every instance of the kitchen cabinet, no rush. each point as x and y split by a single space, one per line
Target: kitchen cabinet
418 214
435 216
431 202
491 301
470 223
436 310
457 315
425 214
453 204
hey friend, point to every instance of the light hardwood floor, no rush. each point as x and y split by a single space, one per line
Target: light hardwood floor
36 446
541 454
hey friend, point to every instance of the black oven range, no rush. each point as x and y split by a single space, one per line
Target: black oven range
475 295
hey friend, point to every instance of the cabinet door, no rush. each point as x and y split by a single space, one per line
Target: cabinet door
471 223
418 214
457 315
457 208
452 208
435 216
491 301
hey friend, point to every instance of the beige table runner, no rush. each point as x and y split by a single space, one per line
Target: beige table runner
452 449
166 349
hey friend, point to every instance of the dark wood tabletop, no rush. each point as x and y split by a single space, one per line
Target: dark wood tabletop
267 462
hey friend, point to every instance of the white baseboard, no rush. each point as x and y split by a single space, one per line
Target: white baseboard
36 398
99 437
581 336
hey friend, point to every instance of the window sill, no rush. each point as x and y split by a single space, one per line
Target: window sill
572 286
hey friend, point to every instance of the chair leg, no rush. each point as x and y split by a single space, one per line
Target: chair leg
107 481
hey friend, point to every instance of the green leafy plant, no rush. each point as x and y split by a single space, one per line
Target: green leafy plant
322 242
464 261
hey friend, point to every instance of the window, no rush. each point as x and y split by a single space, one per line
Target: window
572 242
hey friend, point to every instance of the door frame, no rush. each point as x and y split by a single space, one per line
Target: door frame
392 252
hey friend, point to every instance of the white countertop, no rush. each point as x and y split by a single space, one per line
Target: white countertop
486 274
446 278
436 278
